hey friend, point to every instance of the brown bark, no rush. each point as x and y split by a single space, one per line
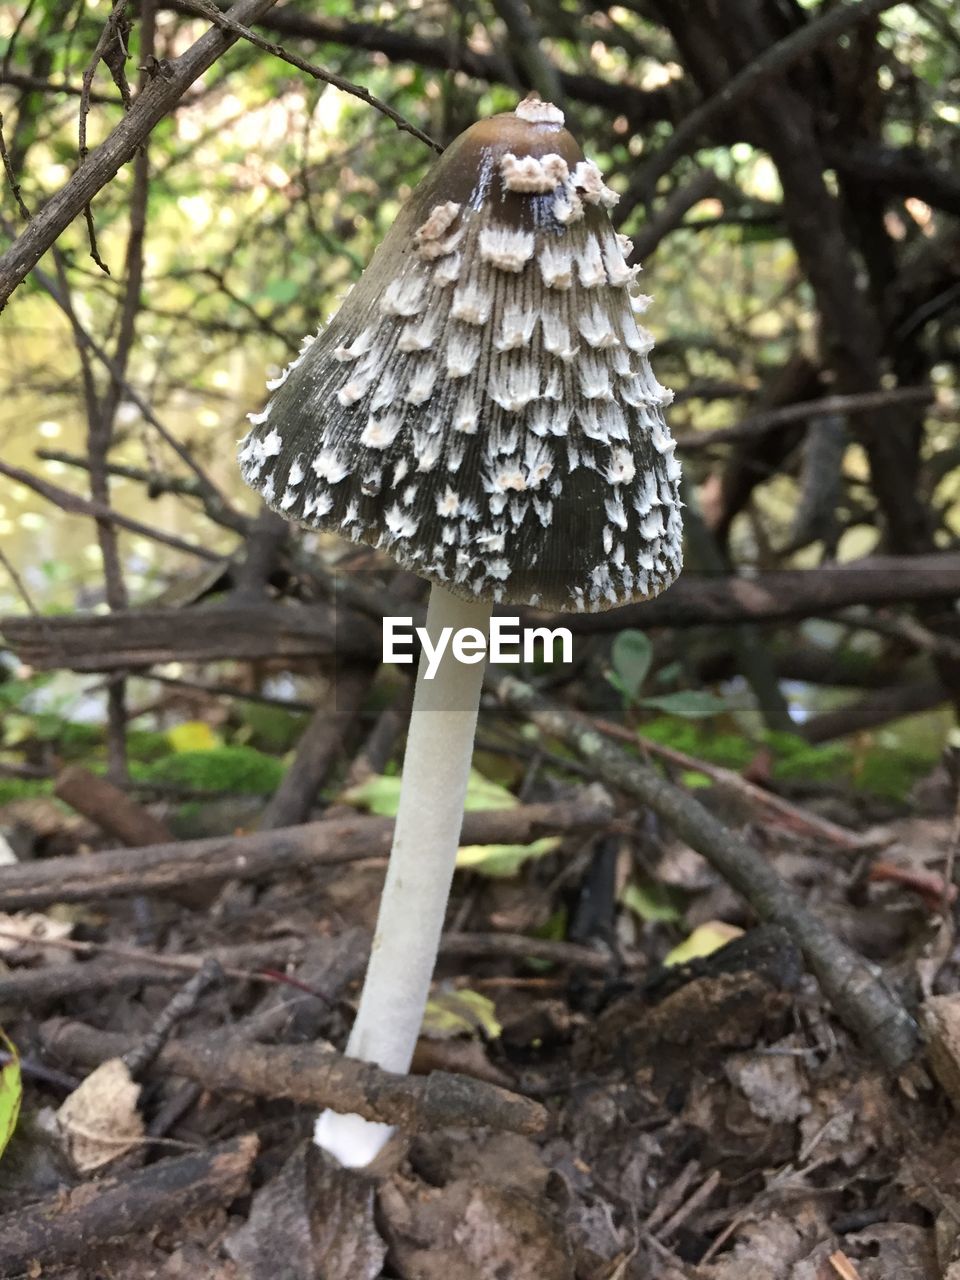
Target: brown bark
316 751
71 1224
783 594
120 872
142 637
316 1076
113 811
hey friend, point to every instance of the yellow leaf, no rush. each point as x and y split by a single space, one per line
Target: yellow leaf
192 735
704 940
502 859
11 1092
460 1013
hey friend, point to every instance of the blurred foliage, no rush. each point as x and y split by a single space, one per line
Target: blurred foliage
268 194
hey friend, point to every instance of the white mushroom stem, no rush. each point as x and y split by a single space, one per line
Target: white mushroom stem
436 767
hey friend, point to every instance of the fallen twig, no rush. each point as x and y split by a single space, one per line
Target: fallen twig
130 966
69 1224
317 750
120 872
859 996
317 1077
111 809
141 1055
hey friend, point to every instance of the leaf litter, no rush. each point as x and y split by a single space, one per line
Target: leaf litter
709 1117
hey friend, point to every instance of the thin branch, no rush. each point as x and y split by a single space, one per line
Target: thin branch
37 84
75 505
156 482
772 62
215 504
110 37
19 583
151 106
860 998
760 423
318 73
11 176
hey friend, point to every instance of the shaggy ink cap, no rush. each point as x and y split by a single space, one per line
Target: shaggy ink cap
482 405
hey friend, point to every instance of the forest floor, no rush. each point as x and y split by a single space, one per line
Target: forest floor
708 1118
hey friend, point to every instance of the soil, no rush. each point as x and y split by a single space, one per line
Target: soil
708 1120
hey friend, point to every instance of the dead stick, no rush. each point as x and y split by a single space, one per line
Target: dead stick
111 809
120 872
70 1224
33 987
317 750
515 946
316 1077
858 994
130 966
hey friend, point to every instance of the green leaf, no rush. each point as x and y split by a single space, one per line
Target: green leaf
11 1092
381 795
502 859
378 794
484 794
692 704
460 1013
651 902
631 655
694 779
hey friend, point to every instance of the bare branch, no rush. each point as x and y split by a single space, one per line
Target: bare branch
319 73
150 107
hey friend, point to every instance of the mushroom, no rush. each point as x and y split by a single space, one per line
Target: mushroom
482 407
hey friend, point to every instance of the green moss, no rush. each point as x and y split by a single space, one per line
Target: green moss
731 750
13 789
891 772
883 769
145 744
239 770
74 740
798 761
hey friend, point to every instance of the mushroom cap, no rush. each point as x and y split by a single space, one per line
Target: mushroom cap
482 404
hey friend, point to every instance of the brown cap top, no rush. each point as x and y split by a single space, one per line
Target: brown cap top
482 404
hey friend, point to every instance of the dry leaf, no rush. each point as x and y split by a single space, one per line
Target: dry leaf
31 929
771 1083
941 1020
317 1218
99 1121
470 1231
